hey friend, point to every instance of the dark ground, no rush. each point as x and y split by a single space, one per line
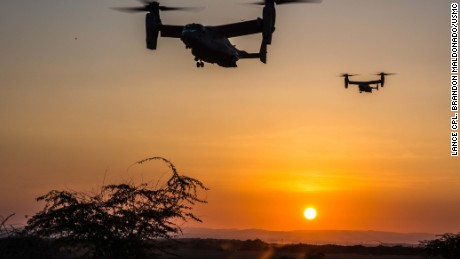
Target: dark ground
18 248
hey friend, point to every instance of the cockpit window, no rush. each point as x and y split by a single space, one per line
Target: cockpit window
193 28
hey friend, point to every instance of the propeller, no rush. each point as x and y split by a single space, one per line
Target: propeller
151 6
385 74
278 2
345 75
382 77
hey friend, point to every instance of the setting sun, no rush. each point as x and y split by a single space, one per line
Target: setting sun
310 213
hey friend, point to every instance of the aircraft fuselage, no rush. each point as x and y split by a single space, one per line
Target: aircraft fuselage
365 88
207 45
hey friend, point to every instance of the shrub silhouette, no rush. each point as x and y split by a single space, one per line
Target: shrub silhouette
253 245
446 246
315 254
121 220
5 230
15 245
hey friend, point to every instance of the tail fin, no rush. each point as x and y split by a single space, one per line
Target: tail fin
262 55
244 55
263 52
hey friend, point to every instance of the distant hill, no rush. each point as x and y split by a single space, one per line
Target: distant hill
339 237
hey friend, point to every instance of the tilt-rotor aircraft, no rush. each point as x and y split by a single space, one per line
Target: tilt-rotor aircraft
366 86
211 43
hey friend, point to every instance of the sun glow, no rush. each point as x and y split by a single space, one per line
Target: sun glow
310 213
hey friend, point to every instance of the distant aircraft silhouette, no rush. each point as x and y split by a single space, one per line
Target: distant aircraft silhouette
366 86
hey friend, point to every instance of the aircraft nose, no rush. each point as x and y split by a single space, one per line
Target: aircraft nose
188 38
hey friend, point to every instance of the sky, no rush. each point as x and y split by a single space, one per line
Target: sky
82 99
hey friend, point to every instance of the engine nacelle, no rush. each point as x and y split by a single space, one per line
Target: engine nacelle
152 28
269 18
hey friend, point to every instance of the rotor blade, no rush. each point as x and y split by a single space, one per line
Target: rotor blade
385 74
345 74
278 2
161 8
190 9
131 9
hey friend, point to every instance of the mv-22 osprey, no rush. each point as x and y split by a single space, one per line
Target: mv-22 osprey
211 43
366 86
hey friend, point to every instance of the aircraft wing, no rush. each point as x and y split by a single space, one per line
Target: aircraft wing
364 82
171 31
354 82
226 30
374 82
240 28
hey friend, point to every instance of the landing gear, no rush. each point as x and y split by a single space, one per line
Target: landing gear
199 62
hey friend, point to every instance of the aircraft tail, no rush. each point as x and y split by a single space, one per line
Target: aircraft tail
250 55
262 56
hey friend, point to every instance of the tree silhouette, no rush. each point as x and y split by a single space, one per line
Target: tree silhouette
446 246
120 221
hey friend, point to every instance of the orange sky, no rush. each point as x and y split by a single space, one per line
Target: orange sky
269 140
